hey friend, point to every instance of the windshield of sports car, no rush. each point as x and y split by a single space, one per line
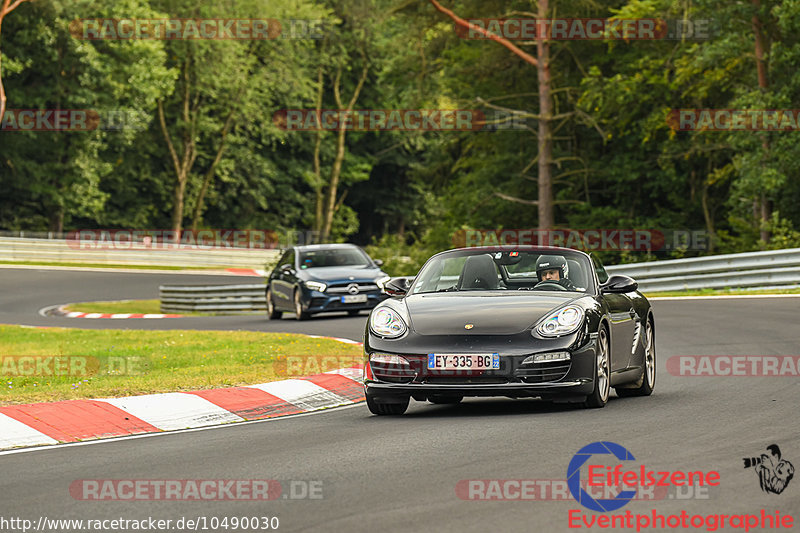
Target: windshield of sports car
512 270
336 257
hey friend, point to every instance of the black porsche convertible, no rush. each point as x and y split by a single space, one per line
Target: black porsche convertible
517 322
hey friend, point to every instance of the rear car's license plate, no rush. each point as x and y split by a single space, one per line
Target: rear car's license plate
354 299
472 361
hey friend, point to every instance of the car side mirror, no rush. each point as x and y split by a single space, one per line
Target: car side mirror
618 284
287 269
398 286
378 262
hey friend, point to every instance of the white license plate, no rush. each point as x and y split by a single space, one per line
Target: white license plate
457 361
354 299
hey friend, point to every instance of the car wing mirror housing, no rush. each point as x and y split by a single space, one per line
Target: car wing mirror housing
619 284
398 286
378 262
287 268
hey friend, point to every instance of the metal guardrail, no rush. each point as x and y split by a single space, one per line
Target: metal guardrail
772 268
213 299
135 254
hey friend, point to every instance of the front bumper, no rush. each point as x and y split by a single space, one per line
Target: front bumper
571 380
319 302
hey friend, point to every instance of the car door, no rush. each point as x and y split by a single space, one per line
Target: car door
283 280
622 318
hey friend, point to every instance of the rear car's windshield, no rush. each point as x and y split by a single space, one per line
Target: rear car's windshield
467 270
333 258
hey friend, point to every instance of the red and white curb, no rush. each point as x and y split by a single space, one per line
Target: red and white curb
62 311
81 420
246 272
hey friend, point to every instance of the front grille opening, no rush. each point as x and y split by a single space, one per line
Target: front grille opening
478 380
543 372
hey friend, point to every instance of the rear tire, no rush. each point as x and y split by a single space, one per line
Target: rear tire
602 377
377 407
354 312
272 313
648 379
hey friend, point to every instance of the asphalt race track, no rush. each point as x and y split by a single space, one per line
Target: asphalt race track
400 474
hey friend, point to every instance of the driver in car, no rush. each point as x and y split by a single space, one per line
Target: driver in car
554 269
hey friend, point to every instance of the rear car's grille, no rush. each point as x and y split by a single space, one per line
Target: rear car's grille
344 288
543 372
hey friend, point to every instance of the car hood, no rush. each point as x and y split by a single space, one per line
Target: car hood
490 312
329 274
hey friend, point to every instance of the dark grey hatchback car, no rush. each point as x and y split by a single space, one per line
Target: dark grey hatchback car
322 278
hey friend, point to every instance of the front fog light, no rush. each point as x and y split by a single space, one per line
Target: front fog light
388 359
547 358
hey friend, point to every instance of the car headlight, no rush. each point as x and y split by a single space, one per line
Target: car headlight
381 282
561 322
386 322
315 286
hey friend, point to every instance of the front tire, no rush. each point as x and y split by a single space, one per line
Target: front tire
272 313
602 378
648 379
300 314
379 408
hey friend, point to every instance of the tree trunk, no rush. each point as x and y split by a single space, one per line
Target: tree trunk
545 141
763 208
708 217
184 164
198 208
317 145
330 204
6 7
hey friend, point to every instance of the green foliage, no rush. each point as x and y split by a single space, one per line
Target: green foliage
619 164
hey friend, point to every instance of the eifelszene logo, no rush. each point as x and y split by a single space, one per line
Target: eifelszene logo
774 473
574 476
599 475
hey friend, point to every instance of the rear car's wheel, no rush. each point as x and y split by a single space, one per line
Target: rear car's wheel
272 313
602 378
300 314
377 407
648 379
444 399
354 312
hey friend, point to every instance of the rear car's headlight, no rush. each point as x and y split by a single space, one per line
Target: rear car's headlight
561 322
387 323
381 282
315 286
